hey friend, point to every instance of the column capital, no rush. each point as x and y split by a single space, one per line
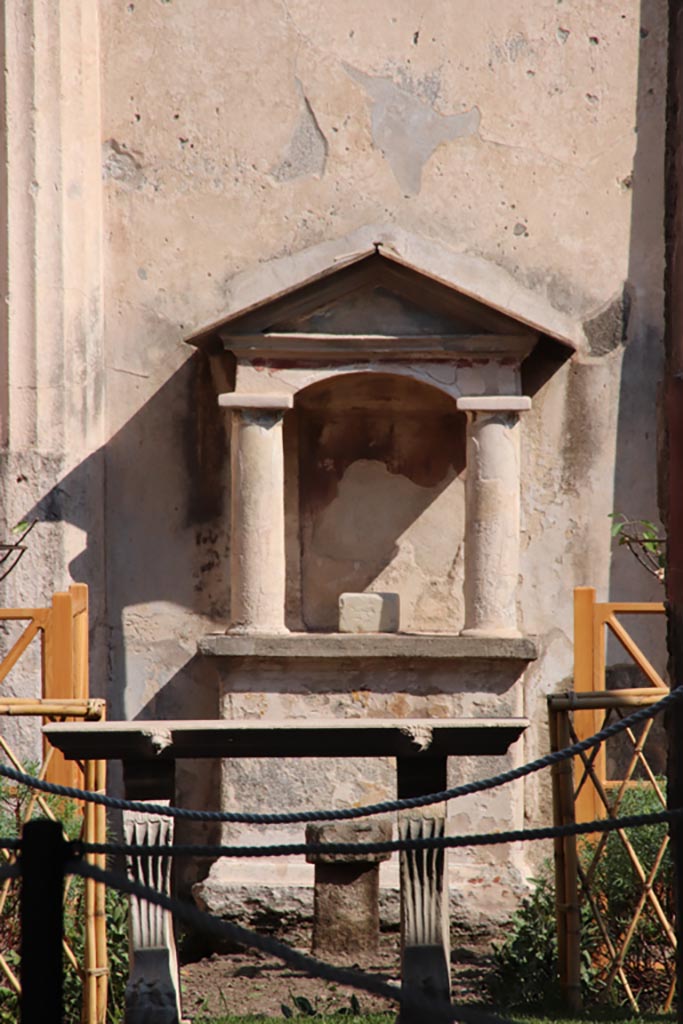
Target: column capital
494 403
263 402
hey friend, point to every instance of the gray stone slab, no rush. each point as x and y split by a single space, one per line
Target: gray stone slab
399 646
350 737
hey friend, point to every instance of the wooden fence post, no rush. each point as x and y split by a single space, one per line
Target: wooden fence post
566 869
65 666
588 645
42 893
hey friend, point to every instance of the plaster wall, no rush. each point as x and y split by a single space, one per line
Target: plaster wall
157 154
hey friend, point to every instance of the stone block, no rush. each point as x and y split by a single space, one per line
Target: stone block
494 403
369 613
348 832
346 898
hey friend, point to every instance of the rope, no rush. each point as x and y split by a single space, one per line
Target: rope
389 846
349 813
195 918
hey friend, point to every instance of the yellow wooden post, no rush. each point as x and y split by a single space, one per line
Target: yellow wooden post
65 665
586 638
79 610
58 678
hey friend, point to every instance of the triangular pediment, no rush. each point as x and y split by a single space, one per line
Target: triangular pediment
374 309
372 305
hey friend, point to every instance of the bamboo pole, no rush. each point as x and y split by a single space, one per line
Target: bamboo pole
18 648
71 708
90 950
613 699
102 978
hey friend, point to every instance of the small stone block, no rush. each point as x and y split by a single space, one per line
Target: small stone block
241 400
369 613
494 403
348 832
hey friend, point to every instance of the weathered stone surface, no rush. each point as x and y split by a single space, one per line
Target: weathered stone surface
159 742
153 990
495 403
231 400
206 198
371 831
342 645
346 904
493 509
369 613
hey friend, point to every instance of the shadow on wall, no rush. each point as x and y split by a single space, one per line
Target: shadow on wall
166 543
638 326
166 550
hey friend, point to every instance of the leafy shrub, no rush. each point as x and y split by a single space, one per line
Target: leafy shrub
526 963
649 963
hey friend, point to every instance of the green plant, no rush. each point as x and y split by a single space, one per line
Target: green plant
302 1007
526 963
643 540
649 959
14 806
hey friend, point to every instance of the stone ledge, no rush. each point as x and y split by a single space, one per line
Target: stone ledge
301 737
392 646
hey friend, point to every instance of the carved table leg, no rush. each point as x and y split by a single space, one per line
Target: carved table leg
425 926
153 991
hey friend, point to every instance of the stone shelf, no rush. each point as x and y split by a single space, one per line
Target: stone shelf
348 737
392 646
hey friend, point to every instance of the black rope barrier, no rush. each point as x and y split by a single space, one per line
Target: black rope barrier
391 845
372 983
349 813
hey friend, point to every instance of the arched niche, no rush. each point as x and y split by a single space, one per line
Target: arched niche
374 499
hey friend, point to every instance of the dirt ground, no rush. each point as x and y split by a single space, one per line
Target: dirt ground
254 983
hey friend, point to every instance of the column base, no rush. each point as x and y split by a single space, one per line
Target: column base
503 632
257 631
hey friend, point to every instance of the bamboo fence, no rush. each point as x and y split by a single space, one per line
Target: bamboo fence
62 630
582 792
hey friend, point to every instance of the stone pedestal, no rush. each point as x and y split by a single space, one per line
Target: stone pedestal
153 989
257 553
346 897
425 945
492 518
425 923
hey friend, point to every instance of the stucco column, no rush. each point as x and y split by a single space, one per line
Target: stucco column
257 527
492 514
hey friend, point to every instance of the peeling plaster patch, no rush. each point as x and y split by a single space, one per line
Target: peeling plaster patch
607 329
121 165
408 130
307 150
